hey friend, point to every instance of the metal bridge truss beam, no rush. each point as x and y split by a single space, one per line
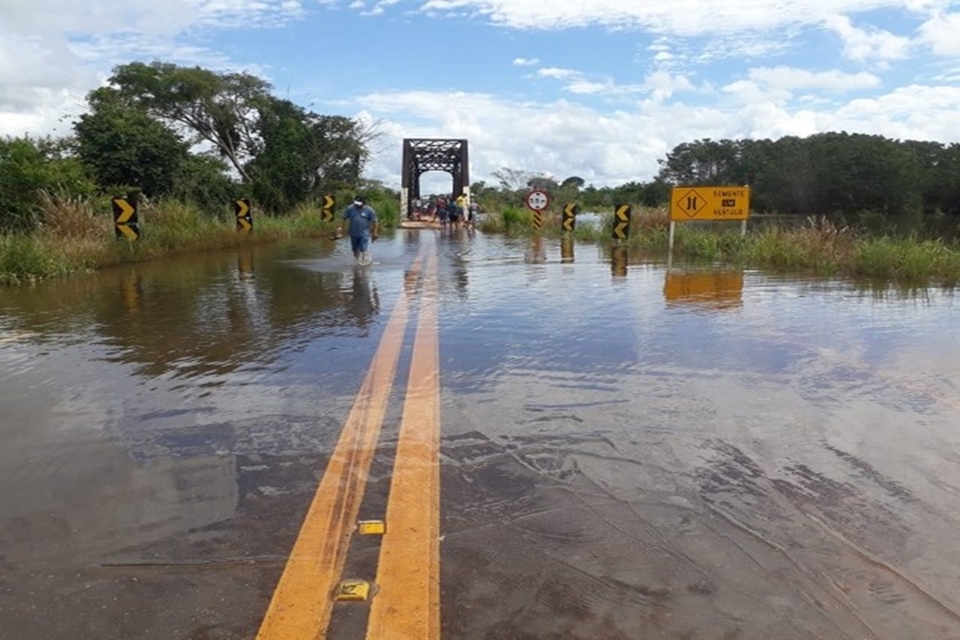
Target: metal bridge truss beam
433 154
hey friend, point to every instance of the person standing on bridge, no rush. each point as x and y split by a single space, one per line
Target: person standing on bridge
363 228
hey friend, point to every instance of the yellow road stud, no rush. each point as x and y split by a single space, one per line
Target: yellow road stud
371 527
352 591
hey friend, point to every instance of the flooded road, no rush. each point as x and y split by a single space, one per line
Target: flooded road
563 443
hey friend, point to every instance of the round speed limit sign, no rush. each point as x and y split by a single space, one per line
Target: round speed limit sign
538 200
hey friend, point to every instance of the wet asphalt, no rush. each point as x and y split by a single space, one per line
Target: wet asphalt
627 451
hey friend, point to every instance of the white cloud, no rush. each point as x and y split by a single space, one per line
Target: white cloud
662 84
558 74
52 52
562 138
681 18
942 34
792 79
868 45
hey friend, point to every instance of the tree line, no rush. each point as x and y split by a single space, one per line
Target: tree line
207 138
828 173
191 134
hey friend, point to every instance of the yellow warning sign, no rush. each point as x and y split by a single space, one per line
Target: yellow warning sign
326 212
710 203
244 217
621 221
126 223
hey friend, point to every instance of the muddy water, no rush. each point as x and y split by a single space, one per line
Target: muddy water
628 452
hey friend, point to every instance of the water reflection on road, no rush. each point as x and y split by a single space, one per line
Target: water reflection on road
628 451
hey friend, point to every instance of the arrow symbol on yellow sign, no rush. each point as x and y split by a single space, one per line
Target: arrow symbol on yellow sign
126 210
128 231
329 202
242 208
621 228
623 212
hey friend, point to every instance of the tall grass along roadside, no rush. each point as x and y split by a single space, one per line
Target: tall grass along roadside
819 246
77 235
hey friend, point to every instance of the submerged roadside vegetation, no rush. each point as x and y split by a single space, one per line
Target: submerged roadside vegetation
817 246
76 235
192 141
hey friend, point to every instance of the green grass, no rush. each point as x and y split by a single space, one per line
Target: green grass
78 235
819 247
824 249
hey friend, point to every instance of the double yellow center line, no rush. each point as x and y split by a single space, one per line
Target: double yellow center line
407 603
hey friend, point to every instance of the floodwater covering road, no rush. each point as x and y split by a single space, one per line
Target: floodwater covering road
563 444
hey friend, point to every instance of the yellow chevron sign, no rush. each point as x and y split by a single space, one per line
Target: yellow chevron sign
621 228
329 202
125 220
126 210
570 211
244 217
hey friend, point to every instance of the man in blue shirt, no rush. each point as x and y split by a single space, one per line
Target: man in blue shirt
363 227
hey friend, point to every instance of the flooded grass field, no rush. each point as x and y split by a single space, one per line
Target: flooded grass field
626 451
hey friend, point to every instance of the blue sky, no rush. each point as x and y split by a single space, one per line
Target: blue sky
601 89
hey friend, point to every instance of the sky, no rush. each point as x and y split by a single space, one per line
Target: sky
599 89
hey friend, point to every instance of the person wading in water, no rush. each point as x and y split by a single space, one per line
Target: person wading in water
363 228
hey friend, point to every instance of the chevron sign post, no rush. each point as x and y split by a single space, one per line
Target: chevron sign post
621 222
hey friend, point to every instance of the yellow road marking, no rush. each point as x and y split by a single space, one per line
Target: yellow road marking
301 605
407 605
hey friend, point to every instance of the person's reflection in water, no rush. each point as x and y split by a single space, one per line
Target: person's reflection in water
364 300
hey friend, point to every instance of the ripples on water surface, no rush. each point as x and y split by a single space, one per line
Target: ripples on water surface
683 449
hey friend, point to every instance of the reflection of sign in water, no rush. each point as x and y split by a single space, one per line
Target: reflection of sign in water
618 261
537 253
709 289
710 203
566 249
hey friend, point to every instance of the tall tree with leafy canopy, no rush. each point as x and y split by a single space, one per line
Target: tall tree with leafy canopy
283 153
124 145
218 108
304 154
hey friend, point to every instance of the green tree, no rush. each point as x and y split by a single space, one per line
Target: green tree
123 145
703 162
29 166
282 152
304 154
221 109
513 180
204 180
